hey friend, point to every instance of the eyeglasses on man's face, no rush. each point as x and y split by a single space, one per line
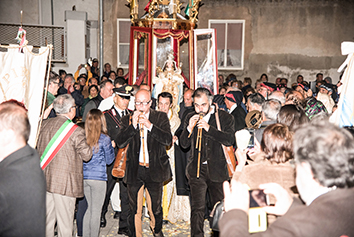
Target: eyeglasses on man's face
142 103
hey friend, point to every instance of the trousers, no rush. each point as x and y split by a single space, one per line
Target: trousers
153 194
94 193
124 203
80 213
60 210
199 187
111 182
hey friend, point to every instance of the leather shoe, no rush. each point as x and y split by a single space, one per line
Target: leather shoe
116 214
103 222
160 234
165 222
123 231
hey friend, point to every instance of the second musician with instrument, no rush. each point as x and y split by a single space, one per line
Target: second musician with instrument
206 168
147 165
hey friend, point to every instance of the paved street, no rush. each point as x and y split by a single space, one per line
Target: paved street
177 229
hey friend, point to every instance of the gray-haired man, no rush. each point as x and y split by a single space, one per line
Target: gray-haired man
324 158
63 148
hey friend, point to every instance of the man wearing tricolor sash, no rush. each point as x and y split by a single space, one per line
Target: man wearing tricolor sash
62 147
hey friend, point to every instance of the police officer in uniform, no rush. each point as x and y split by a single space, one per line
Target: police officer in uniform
113 118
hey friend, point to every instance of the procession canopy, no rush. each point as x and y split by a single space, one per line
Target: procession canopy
165 14
165 33
160 30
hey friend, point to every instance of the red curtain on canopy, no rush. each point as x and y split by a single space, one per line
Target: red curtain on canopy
177 36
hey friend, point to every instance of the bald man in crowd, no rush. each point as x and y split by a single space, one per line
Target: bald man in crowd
147 133
186 104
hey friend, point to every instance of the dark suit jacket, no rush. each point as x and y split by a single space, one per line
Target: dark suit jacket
64 174
239 115
181 158
212 151
92 104
330 214
78 97
22 195
114 124
157 140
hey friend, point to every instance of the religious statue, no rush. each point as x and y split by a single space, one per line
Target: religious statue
169 80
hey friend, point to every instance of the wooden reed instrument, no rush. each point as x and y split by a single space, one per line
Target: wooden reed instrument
190 134
141 130
198 144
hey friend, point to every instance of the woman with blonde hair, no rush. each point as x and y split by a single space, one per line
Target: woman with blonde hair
95 175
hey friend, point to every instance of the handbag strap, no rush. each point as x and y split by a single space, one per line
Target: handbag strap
217 119
228 161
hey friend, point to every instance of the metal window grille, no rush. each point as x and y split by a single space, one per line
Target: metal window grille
37 36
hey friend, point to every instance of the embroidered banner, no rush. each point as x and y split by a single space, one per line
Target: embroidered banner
22 77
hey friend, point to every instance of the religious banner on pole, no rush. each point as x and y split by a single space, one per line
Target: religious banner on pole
344 115
22 77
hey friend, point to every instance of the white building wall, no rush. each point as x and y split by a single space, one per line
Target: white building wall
40 12
75 35
10 11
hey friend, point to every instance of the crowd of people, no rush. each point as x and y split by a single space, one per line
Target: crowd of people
175 158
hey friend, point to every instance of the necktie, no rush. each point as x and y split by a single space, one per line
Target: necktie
123 113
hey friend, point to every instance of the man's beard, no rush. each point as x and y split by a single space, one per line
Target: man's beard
204 113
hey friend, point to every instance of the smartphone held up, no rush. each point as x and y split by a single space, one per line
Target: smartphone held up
245 138
257 217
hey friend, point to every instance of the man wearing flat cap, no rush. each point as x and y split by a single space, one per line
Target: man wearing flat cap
233 101
121 97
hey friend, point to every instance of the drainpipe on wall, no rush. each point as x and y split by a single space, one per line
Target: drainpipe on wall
101 36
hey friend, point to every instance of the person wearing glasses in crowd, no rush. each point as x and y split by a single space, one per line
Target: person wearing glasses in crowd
53 87
147 133
52 91
62 147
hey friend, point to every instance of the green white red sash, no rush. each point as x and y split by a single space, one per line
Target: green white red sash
56 143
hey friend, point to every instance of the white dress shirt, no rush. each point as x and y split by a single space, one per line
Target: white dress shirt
144 144
232 108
